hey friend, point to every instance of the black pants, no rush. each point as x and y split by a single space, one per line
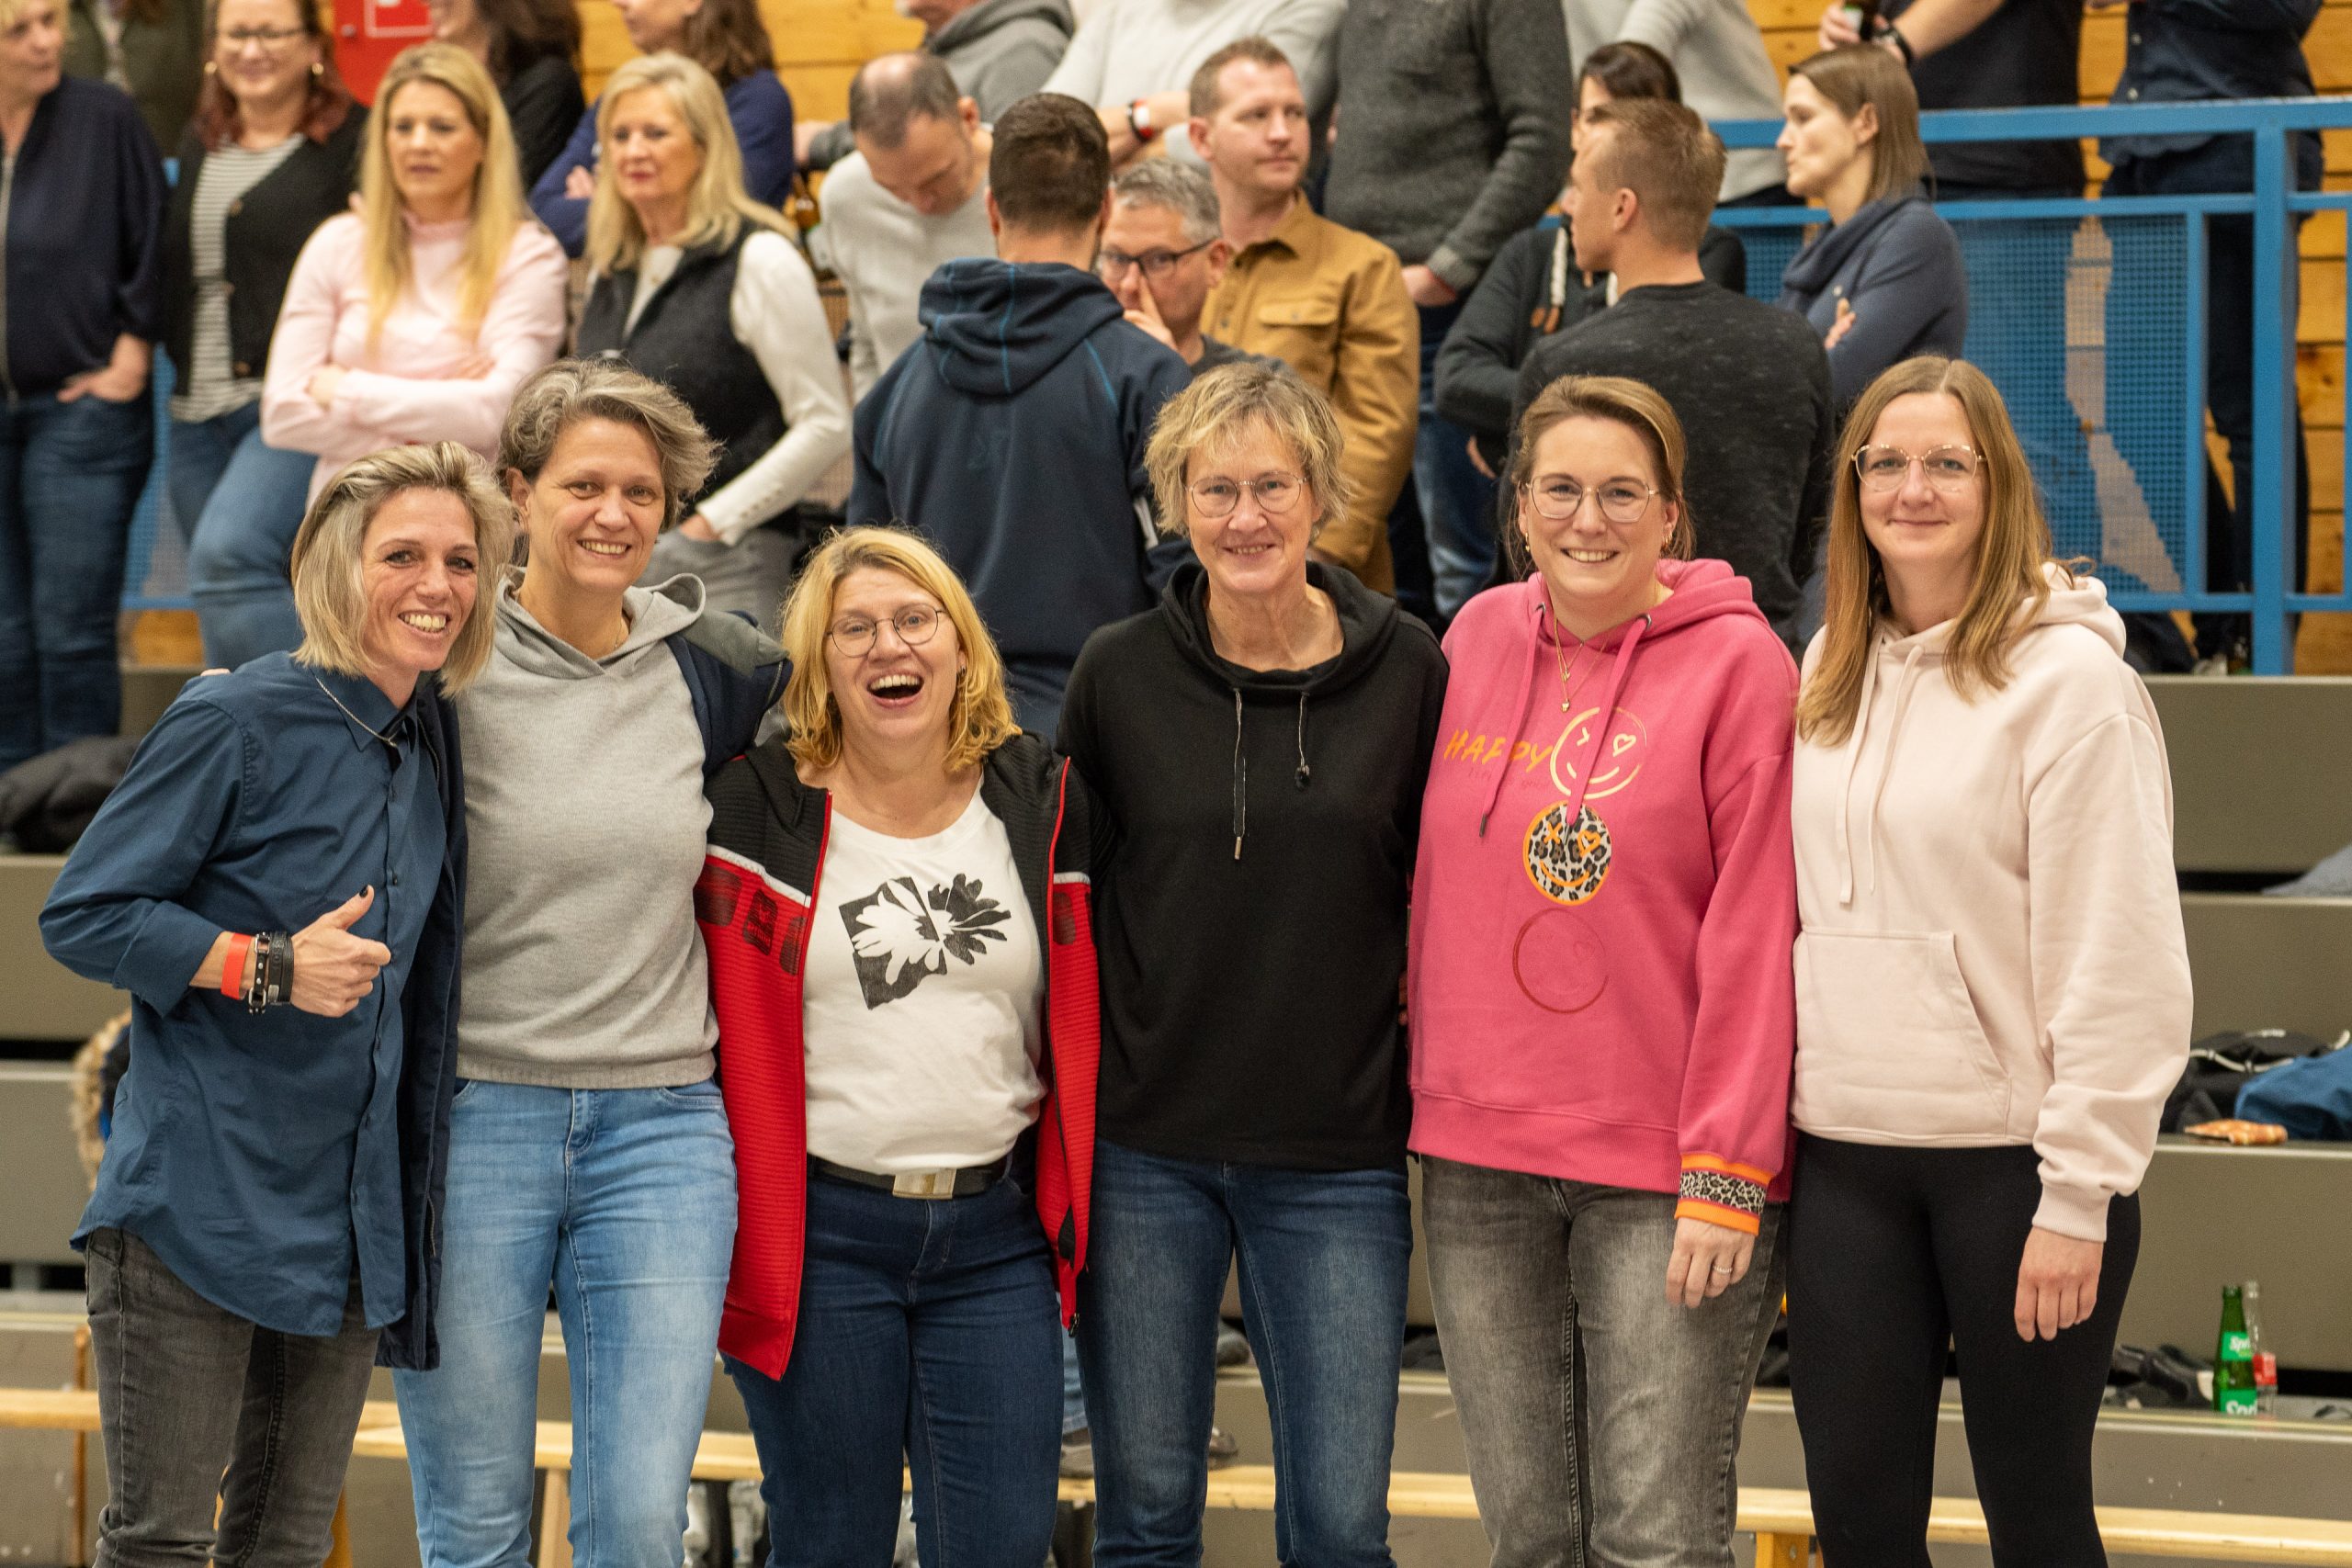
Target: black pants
1892 1254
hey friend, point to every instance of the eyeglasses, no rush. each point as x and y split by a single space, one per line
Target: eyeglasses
1621 500
270 38
1883 468
1156 264
1276 493
855 635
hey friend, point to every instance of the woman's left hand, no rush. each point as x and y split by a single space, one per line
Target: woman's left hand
2057 1283
1708 1260
323 383
119 380
698 528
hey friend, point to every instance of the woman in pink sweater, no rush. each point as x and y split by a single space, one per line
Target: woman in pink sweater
1599 988
1992 986
416 317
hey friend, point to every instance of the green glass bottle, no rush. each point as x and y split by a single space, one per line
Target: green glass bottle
2234 1391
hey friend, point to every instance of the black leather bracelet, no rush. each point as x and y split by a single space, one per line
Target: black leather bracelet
281 967
257 989
1903 45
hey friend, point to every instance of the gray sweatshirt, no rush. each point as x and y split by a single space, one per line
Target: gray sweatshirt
884 252
585 824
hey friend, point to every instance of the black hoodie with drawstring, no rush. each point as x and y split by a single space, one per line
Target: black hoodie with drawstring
1250 904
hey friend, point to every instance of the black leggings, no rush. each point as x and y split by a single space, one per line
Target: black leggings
1892 1254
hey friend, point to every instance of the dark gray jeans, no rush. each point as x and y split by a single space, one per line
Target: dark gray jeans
186 1392
1602 1423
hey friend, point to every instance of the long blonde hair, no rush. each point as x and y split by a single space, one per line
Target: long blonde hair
2010 586
499 209
716 205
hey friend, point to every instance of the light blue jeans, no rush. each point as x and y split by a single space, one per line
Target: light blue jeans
624 1200
240 501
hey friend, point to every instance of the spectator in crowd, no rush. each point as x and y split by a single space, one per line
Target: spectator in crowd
702 288
1328 302
1534 288
933 1038
1015 441
415 318
153 49
1751 378
1257 1109
1717 55
272 152
727 39
2177 53
1456 137
265 1214
588 1150
531 49
996 52
1137 60
1604 880
910 200
1162 253
81 213
1988 1019
1883 282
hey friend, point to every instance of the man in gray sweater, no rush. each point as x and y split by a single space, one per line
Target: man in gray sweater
1451 136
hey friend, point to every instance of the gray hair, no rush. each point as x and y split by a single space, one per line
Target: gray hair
1182 188
569 390
329 554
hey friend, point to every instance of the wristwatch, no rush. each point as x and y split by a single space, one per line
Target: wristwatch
1140 119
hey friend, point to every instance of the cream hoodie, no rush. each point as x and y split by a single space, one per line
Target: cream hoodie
1990 949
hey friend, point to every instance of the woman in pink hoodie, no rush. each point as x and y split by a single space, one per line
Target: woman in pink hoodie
1992 986
1600 998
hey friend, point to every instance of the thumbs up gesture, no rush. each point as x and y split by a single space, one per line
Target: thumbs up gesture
332 969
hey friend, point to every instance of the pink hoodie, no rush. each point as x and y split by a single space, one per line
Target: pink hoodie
1602 911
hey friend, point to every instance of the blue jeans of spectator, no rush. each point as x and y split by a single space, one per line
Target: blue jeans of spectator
1323 1262
624 1200
1601 1422
70 476
1457 501
239 501
929 1331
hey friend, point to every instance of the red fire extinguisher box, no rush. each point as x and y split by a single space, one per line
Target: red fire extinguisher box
368 33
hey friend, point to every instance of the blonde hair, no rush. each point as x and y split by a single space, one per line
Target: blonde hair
13 12
1218 407
1864 76
570 390
330 555
2010 584
1637 406
716 205
499 209
978 720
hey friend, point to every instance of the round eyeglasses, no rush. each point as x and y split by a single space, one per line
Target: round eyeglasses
1276 493
855 635
1947 469
1621 500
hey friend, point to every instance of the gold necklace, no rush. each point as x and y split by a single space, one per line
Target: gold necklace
1567 666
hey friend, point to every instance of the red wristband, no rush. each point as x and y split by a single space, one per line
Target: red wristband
1140 119
233 967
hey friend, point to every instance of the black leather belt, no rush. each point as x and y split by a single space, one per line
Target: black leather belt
968 1182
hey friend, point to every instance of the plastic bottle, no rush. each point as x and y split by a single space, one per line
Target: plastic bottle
2266 1365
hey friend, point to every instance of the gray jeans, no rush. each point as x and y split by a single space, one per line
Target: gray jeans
1602 1423
186 1392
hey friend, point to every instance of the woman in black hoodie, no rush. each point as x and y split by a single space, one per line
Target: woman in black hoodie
1258 743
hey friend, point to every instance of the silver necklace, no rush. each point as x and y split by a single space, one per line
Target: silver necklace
355 717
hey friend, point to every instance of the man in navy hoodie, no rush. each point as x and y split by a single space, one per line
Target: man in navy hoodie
1012 434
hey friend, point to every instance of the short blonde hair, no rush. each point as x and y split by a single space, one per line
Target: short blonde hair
328 555
978 720
561 395
13 12
716 203
1621 399
1218 407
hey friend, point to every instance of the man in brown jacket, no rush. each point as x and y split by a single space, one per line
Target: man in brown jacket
1328 302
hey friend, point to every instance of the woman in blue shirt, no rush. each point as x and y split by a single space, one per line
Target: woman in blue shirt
265 1212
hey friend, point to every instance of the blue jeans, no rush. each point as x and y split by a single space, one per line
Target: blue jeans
242 501
70 475
929 1330
625 1200
1323 1256
1457 501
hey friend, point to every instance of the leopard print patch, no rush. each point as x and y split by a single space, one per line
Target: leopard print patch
1566 864
1723 1192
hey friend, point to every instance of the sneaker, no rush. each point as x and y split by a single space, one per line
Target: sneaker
1078 1455
1223 1449
1232 1347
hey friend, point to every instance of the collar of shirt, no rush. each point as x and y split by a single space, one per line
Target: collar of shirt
368 714
1294 232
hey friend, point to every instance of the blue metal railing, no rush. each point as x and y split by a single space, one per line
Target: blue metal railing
2265 494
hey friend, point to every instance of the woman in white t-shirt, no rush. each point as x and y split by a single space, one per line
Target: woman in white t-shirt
895 903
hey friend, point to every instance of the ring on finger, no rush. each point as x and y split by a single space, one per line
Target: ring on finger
1724 1268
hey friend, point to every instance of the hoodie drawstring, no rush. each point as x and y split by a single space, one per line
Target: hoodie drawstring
1853 769
1305 772
1517 711
1590 756
1242 770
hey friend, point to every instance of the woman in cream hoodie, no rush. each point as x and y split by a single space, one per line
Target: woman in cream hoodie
1992 988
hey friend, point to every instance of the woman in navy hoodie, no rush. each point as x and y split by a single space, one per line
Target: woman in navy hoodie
81 298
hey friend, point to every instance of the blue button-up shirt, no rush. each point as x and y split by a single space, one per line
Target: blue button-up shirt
258 1155
2187 52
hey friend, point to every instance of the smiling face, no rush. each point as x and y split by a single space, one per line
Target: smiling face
32 50
652 152
418 575
1253 550
434 150
260 54
593 516
1921 531
656 25
1258 138
899 689
1597 572
1818 142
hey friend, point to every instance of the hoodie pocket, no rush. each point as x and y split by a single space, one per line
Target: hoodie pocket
1889 1042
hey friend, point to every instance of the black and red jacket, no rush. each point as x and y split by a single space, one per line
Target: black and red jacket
757 889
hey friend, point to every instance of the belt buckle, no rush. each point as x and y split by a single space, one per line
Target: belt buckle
926 1184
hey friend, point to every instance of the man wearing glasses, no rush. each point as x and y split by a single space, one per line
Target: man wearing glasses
1162 255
